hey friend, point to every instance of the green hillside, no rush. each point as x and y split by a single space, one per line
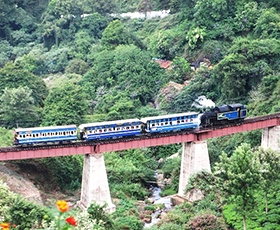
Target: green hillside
71 62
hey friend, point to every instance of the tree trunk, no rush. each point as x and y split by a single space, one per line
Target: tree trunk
266 208
244 222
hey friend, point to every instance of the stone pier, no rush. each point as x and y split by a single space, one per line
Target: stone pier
95 187
271 138
195 158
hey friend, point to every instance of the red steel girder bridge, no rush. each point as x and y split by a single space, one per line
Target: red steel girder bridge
18 153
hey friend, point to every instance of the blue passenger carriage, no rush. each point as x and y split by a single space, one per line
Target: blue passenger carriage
171 122
110 129
45 134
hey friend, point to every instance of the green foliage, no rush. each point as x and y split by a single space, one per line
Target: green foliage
233 68
66 171
238 177
171 169
246 17
14 209
6 137
228 143
203 83
5 52
195 36
64 105
268 24
126 216
127 67
116 105
17 108
56 59
77 66
180 70
116 34
130 170
94 24
13 76
27 215
176 218
264 99
160 43
6 199
97 212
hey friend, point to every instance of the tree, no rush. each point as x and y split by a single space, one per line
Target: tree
116 34
233 74
270 171
239 176
268 24
6 137
144 6
14 76
17 108
65 105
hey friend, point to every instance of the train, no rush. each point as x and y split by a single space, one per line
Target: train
131 127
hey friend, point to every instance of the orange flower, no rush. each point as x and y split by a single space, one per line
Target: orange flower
71 220
5 225
62 205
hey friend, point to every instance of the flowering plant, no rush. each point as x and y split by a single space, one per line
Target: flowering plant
6 226
62 223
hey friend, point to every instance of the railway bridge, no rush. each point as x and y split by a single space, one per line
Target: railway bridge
194 156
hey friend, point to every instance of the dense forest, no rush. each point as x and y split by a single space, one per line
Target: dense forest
77 61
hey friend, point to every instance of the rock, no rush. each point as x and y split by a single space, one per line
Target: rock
151 201
20 185
173 156
167 93
169 181
194 194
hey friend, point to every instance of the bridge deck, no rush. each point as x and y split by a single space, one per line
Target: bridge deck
17 153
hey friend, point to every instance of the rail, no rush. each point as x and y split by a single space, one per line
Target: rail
135 138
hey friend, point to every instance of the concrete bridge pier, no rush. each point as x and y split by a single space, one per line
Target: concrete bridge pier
271 138
195 158
95 187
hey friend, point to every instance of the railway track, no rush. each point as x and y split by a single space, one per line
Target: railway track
139 137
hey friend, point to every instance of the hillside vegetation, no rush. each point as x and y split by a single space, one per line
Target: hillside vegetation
70 62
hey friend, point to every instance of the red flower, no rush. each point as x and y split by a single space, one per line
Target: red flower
62 205
71 220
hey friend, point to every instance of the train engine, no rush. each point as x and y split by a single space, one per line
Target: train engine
223 114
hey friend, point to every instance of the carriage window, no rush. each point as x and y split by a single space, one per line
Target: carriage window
153 124
64 133
105 130
137 126
127 127
37 135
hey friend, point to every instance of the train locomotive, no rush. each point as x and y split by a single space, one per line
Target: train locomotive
219 115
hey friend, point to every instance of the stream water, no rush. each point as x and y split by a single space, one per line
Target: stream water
158 200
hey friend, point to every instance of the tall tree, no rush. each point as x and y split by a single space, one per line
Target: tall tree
17 108
239 176
64 105
14 76
270 171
